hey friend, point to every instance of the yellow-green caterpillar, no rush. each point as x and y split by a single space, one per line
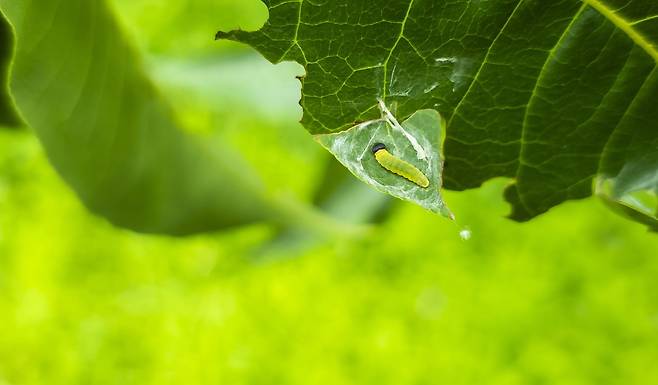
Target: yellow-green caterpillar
399 166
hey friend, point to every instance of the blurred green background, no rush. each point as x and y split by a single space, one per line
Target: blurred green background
569 298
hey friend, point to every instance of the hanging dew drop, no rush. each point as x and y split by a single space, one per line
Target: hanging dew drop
465 234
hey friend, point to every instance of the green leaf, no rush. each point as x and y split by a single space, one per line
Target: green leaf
8 115
79 84
629 168
532 90
640 206
353 147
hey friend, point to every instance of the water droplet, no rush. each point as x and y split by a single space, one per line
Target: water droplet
465 234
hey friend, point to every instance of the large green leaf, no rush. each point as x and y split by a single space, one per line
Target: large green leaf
535 90
79 84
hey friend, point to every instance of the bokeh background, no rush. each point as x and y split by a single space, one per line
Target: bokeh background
569 298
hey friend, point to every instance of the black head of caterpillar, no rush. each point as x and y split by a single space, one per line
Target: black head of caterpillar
398 166
377 147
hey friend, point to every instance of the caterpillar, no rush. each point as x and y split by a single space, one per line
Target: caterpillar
399 166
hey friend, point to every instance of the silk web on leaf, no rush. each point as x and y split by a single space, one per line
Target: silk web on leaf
422 133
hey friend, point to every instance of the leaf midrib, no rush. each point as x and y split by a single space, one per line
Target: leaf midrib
625 26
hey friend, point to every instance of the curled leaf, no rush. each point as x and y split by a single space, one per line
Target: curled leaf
353 148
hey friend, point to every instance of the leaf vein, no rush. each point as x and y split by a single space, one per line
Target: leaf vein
540 76
625 26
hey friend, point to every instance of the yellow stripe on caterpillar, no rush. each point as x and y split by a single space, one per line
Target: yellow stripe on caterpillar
398 166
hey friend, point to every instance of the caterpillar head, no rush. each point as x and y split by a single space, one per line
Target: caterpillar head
377 147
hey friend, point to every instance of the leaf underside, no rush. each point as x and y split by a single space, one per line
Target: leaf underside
80 85
548 93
